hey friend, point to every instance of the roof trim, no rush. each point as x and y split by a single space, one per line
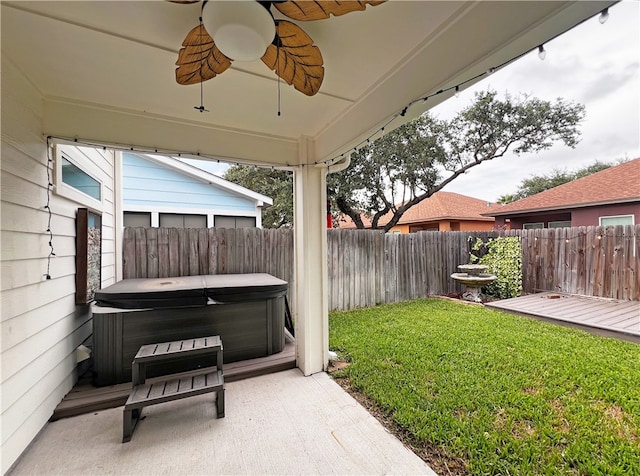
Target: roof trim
211 179
447 217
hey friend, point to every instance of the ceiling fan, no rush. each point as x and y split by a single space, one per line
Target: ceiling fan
247 30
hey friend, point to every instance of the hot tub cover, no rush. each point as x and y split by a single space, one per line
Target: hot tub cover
190 290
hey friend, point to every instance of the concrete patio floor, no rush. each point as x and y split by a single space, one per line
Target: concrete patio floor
282 423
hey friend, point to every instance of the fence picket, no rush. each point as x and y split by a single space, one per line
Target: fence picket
129 253
141 251
152 252
163 252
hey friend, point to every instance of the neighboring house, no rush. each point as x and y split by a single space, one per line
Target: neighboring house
443 211
165 192
608 197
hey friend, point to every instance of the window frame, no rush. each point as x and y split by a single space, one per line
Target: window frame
183 216
554 223
126 213
541 223
63 189
630 215
235 220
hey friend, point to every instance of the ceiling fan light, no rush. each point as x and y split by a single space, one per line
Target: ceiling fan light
242 30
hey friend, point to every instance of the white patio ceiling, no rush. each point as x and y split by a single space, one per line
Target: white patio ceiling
106 72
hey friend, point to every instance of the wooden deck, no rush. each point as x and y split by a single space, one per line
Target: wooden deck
607 317
85 398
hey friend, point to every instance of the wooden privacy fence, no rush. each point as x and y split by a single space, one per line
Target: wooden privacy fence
369 267
172 252
591 261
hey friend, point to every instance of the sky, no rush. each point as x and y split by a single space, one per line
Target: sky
595 64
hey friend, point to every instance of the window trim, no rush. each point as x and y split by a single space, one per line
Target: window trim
235 217
633 220
69 153
559 221
183 215
130 213
533 223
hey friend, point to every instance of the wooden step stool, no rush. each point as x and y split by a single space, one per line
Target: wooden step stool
173 388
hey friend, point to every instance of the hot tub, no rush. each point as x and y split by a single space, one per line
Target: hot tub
246 310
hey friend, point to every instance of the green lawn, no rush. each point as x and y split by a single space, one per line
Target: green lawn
500 393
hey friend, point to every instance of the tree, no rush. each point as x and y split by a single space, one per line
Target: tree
276 184
539 183
417 159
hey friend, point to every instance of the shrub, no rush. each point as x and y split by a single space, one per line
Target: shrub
503 256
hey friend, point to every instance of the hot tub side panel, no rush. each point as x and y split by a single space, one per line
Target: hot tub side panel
107 348
248 330
275 311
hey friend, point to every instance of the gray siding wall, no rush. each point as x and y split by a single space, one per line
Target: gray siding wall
40 324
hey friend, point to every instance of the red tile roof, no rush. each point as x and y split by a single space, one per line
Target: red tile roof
619 184
440 206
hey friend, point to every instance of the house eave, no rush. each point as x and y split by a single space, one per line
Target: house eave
201 175
562 207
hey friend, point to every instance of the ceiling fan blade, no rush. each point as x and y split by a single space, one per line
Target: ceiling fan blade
199 59
297 60
305 10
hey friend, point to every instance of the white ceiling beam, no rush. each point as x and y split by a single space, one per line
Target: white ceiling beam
118 127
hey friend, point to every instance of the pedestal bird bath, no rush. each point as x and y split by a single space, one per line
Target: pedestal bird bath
473 276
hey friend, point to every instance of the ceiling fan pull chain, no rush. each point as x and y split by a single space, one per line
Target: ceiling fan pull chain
278 69
201 108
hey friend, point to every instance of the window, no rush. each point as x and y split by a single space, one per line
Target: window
223 221
560 224
76 177
80 180
177 220
137 219
532 226
616 220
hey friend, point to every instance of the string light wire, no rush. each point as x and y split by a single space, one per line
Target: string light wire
379 131
47 207
166 152
457 87
600 233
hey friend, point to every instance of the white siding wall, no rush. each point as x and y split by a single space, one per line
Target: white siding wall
40 324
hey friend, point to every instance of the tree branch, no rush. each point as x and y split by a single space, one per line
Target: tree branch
345 208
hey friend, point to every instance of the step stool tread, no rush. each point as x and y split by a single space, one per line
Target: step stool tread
168 350
174 388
